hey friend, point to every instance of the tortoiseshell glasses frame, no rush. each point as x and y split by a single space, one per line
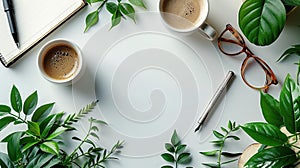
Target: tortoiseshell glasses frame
270 76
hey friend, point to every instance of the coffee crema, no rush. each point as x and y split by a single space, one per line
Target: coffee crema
181 14
60 62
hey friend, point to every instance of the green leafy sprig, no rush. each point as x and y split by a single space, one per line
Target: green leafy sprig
118 10
283 150
94 156
177 153
220 142
40 143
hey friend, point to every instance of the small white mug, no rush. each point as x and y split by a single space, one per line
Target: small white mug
60 61
187 16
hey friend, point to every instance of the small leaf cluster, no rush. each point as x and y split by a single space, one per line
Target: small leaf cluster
177 153
280 150
227 133
118 10
40 143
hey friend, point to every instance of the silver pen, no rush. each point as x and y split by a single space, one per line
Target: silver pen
225 83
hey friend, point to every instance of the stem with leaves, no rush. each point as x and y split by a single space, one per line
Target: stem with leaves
39 144
118 10
176 152
220 142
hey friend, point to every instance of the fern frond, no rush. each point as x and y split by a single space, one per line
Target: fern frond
75 117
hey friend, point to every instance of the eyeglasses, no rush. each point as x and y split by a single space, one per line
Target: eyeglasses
231 43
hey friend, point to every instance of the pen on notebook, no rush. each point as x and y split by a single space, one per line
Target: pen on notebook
9 10
225 83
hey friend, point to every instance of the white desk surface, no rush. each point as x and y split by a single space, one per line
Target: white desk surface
241 103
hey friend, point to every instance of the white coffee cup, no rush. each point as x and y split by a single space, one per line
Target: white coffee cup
187 16
60 61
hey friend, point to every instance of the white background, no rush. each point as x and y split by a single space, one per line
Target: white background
241 103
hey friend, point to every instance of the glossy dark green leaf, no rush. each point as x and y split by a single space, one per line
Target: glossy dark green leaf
34 128
230 125
111 7
50 147
128 10
210 153
91 19
275 157
291 2
5 109
56 133
46 125
271 109
291 116
180 148
15 99
13 146
230 154
218 134
5 121
184 158
169 147
175 139
168 157
138 3
265 133
224 130
116 18
30 144
42 112
262 21
30 103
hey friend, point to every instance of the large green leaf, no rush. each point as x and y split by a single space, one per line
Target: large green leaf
13 146
56 133
265 133
42 112
5 121
47 124
275 157
34 128
289 109
15 99
262 21
271 109
30 103
50 147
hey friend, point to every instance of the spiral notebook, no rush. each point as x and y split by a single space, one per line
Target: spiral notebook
35 19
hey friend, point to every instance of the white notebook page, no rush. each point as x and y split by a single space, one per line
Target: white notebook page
34 19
